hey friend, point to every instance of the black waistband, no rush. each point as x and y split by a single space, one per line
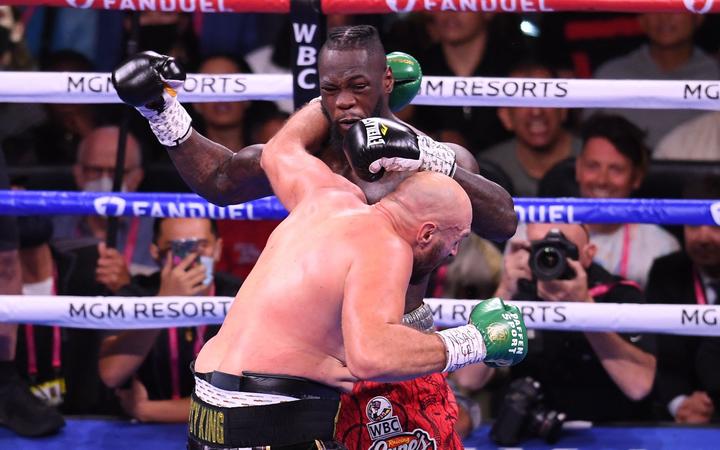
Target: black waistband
305 420
289 386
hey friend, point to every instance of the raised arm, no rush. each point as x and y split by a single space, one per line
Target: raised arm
293 172
149 82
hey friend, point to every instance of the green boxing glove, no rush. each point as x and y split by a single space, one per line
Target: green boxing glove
407 74
495 334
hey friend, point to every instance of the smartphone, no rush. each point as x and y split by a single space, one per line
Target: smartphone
183 247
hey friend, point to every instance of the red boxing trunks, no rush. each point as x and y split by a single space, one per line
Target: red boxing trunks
418 414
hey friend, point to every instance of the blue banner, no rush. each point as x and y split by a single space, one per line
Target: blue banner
559 210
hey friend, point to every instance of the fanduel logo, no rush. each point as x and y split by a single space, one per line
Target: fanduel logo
715 211
109 205
393 4
77 4
699 6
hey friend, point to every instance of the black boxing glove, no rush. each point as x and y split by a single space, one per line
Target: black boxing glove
149 82
375 144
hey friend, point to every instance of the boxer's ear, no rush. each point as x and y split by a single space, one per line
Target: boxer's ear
425 234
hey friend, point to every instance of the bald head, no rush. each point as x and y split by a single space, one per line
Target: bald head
96 160
100 148
433 213
432 197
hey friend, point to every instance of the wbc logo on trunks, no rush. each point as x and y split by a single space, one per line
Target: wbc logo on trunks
387 433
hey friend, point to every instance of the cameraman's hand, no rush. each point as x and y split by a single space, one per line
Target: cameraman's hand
516 266
111 269
185 279
575 290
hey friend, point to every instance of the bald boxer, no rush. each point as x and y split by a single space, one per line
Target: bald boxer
355 83
323 306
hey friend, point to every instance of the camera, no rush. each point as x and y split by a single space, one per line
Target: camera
548 257
523 415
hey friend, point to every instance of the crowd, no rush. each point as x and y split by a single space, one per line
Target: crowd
46 372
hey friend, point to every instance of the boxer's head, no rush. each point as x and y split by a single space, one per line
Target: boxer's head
354 77
437 213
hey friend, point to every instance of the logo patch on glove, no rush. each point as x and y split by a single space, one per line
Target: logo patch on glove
376 131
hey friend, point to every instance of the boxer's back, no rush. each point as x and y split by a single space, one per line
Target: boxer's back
286 318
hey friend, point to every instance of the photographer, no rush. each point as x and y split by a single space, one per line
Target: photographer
149 368
594 376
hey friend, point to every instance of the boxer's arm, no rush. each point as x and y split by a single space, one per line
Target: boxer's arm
378 346
293 172
494 215
219 175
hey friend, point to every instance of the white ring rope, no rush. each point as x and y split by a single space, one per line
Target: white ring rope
162 312
93 87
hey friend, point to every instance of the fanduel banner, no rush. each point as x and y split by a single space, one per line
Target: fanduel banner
545 210
389 6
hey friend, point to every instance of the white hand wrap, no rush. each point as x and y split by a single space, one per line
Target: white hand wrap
464 345
436 156
172 126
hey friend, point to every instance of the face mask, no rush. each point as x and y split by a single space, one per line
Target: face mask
209 263
102 184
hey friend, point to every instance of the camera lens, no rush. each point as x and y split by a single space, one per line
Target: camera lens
548 263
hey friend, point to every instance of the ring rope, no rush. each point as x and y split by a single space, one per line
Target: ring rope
554 210
96 87
387 6
160 312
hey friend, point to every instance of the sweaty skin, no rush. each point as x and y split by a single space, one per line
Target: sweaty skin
353 86
326 297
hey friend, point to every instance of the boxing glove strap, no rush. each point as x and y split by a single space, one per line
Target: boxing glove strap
436 156
172 126
464 346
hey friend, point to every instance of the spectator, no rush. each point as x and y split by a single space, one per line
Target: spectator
687 386
15 118
19 409
224 122
595 376
540 141
469 44
93 172
612 164
55 140
670 54
159 386
697 139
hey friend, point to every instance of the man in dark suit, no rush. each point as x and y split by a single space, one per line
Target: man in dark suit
687 385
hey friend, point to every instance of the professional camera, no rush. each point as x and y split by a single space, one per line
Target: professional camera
548 257
522 415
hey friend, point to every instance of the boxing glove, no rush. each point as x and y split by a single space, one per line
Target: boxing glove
375 144
495 335
149 82
408 76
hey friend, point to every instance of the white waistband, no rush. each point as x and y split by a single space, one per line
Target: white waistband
233 399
